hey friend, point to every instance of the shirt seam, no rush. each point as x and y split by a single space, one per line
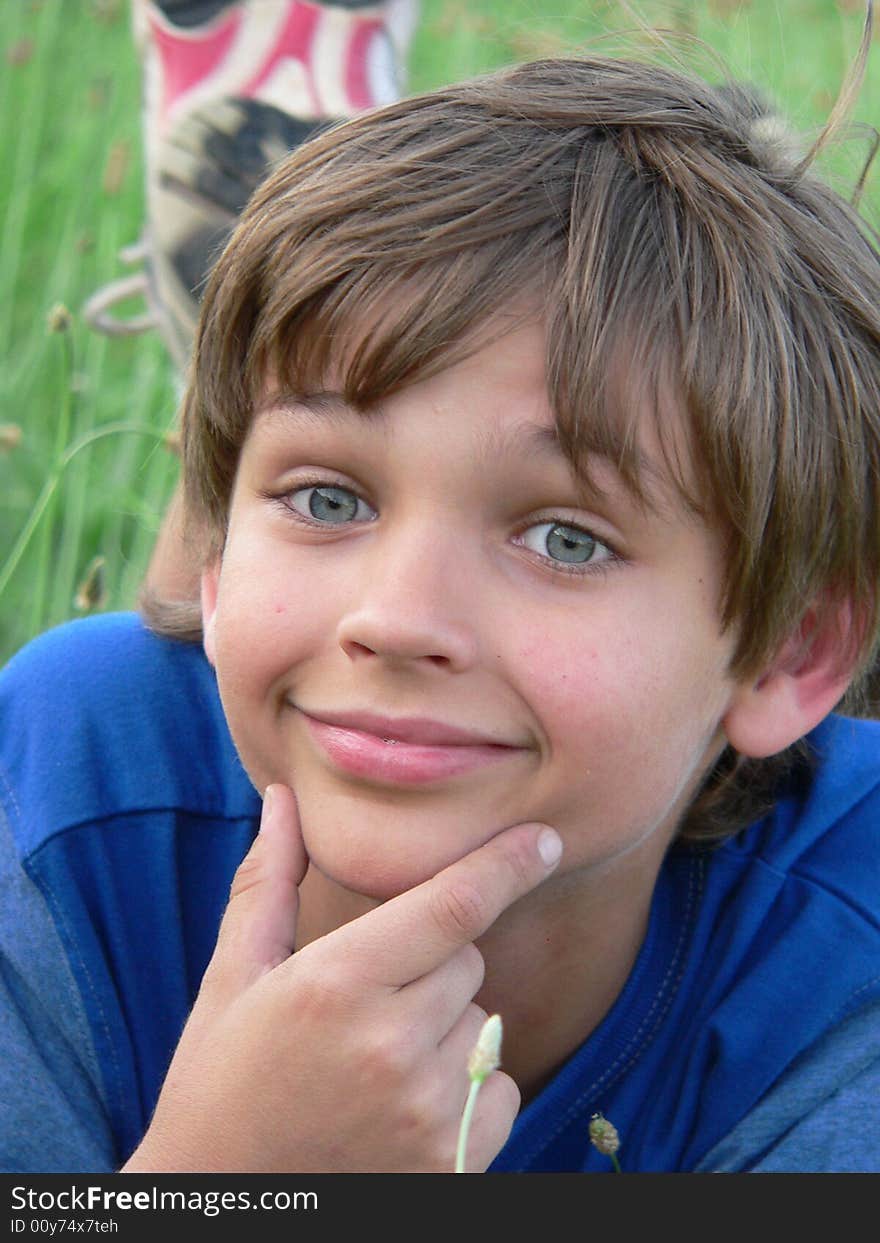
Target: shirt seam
110 1066
803 878
73 949
130 812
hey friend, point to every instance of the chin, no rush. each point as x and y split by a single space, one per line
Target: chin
380 854
373 877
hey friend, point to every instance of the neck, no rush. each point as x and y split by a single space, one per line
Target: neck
555 967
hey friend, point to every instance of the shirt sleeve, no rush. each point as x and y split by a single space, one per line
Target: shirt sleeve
52 1117
821 1116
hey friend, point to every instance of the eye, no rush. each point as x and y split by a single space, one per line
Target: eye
330 504
564 544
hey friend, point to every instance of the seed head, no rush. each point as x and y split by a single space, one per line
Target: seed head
10 437
59 318
486 1054
603 1135
91 592
172 442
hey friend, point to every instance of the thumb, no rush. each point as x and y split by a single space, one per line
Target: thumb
258 930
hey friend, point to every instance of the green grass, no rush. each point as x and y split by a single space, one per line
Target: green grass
69 104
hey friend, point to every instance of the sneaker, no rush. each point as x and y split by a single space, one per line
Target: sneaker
229 88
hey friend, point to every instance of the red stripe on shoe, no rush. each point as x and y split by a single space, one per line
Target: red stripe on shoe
187 59
294 43
357 81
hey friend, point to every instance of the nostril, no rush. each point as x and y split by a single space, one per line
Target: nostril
358 649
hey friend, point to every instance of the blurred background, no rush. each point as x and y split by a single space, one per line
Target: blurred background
87 458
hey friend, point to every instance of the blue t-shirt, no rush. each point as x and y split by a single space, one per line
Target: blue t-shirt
747 1036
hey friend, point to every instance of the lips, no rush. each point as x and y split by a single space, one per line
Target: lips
415 730
402 750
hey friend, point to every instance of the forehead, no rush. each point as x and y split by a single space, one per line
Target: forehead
495 385
505 356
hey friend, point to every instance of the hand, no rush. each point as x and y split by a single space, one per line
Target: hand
350 1055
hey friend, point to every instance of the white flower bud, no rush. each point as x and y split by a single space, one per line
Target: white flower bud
486 1054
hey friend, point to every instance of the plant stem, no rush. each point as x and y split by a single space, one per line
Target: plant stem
50 505
24 537
465 1127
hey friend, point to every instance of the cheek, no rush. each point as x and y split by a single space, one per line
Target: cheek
568 683
624 717
266 621
646 659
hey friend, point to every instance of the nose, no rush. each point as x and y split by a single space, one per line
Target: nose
413 604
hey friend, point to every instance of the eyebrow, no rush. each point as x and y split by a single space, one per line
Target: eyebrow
307 407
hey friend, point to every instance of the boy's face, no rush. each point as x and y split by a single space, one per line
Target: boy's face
435 566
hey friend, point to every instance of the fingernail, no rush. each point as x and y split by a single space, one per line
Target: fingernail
549 847
268 800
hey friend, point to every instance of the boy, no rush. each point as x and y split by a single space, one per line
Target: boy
532 459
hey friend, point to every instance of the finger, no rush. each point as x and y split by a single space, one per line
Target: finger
258 930
413 933
440 998
455 1049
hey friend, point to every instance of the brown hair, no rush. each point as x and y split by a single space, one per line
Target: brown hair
653 217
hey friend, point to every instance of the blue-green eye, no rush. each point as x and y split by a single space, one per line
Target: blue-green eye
327 503
566 544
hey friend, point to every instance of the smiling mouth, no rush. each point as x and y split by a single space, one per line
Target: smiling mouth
433 752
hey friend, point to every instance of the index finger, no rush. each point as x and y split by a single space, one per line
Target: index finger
413 933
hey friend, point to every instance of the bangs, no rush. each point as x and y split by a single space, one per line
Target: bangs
374 332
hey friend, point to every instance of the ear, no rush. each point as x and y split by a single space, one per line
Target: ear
800 687
209 586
